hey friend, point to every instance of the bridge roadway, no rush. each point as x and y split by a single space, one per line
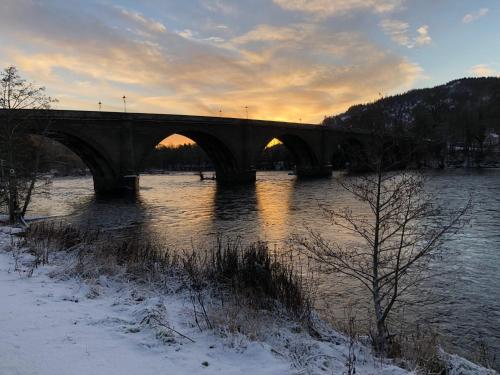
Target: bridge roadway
114 145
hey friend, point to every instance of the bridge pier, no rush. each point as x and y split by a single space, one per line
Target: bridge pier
314 172
236 178
116 186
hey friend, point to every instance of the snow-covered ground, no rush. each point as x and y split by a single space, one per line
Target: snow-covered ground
54 324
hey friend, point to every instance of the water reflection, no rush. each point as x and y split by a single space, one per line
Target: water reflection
274 202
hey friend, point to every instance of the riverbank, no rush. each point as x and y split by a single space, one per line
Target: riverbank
56 321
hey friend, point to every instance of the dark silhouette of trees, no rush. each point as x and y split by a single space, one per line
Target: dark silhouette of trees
447 122
182 157
19 151
192 157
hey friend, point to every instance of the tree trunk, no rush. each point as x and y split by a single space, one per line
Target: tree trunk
381 338
13 200
29 193
27 199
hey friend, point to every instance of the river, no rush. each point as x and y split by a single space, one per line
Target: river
186 212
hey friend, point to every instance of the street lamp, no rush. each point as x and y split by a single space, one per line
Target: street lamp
124 103
100 106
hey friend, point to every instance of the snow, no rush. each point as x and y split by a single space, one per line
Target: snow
460 366
52 327
56 324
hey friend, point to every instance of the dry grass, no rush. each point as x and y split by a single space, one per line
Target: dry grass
227 271
252 272
420 349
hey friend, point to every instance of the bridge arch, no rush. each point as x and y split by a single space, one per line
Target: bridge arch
222 157
100 166
307 163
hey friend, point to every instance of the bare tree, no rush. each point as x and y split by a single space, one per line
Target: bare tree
399 234
19 153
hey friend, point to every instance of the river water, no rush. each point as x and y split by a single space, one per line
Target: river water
186 212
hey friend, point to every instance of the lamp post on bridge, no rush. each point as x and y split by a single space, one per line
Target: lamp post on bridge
100 106
124 103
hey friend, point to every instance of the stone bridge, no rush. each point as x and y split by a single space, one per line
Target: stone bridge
114 145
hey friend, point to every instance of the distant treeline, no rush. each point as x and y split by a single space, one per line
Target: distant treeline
173 158
192 157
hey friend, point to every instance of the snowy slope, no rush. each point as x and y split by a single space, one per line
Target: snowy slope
52 324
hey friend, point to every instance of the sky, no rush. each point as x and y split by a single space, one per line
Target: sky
291 60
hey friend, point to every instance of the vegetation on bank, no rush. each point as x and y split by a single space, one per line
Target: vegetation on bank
228 282
261 278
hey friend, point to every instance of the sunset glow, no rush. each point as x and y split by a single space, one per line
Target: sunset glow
287 60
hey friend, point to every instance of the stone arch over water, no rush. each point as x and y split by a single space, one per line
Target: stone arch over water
100 165
306 160
221 156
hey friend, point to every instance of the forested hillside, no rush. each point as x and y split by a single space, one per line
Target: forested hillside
460 119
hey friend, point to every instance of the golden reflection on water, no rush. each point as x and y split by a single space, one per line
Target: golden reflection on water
273 208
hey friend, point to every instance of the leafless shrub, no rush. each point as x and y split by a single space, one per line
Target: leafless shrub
398 236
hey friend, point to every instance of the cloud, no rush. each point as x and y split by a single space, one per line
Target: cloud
483 70
279 72
218 6
325 8
397 30
268 33
194 36
149 24
399 33
423 36
187 33
474 16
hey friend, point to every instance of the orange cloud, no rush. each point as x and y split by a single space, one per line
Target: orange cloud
483 70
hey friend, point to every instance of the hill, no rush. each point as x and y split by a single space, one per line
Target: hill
461 118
